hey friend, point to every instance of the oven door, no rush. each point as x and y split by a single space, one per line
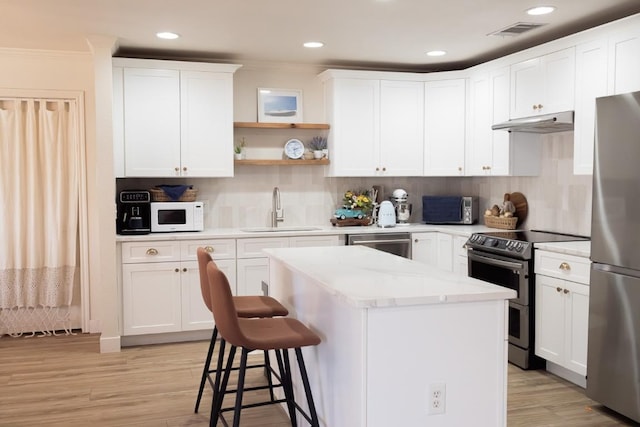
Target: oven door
499 270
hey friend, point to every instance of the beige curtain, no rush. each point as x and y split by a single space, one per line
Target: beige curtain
39 185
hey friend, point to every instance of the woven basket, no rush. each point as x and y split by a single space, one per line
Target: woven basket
503 223
158 195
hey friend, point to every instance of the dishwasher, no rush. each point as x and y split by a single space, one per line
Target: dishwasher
394 243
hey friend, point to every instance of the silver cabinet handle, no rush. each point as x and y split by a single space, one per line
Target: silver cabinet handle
152 251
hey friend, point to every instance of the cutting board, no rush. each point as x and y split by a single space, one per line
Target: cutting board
520 203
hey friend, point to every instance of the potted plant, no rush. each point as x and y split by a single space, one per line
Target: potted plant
239 150
319 146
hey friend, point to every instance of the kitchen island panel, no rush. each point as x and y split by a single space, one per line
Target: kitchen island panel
376 361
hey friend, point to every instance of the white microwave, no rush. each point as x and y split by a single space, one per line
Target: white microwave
177 216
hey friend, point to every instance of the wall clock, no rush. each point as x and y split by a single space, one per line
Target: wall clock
294 149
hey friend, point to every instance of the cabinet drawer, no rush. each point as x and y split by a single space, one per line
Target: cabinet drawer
562 266
220 248
313 241
252 248
161 251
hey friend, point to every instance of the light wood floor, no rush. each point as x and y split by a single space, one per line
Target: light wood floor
64 381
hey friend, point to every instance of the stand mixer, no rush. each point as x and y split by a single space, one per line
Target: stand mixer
399 198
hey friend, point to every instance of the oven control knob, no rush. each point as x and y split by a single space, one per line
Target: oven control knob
519 247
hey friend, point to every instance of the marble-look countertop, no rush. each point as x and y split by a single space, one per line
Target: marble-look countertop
368 278
288 231
581 248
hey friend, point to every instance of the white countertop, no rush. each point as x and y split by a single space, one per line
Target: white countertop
238 233
368 278
581 248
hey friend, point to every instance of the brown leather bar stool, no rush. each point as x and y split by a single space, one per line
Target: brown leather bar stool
278 333
246 307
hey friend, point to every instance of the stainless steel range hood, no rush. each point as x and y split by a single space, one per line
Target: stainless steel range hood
547 123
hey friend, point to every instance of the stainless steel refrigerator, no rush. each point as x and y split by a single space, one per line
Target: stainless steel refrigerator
613 359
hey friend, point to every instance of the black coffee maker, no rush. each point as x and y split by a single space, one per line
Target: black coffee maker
134 212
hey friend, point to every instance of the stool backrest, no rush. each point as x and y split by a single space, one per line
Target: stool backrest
223 308
204 258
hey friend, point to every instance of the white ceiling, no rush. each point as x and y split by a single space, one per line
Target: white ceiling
376 34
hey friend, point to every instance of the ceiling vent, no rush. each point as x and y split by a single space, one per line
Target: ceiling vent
516 29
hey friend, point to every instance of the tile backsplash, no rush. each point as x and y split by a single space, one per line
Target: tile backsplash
557 199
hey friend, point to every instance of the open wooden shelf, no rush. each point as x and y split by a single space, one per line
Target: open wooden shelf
281 162
255 125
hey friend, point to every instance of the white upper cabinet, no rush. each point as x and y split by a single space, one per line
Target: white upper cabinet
206 134
151 122
591 82
543 85
401 127
175 119
624 62
376 126
444 124
353 111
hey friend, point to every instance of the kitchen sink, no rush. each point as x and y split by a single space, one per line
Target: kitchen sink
272 229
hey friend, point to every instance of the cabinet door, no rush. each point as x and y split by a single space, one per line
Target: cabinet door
526 87
577 326
206 107
479 147
460 264
424 248
251 273
151 298
195 314
504 157
353 107
445 121
559 70
550 319
445 251
624 62
151 122
401 128
591 82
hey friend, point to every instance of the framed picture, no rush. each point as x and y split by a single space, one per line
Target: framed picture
279 105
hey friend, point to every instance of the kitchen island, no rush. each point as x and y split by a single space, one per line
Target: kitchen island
394 332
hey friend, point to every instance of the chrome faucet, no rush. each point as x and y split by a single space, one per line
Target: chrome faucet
277 213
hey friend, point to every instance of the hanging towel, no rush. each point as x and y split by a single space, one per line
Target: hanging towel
174 192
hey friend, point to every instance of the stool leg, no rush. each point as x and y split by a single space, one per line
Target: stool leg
220 389
219 371
307 388
290 396
285 385
205 370
267 371
241 372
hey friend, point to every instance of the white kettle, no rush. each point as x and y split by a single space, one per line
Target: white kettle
386 215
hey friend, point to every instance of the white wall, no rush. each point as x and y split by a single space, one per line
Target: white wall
30 71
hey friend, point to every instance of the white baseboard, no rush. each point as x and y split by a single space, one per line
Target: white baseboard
169 337
109 344
567 374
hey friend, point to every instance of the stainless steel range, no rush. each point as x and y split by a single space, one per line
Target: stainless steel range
505 258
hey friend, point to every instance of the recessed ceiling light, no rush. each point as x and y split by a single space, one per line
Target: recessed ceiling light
167 35
540 10
436 53
313 45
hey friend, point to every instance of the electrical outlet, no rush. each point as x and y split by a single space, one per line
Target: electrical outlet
436 398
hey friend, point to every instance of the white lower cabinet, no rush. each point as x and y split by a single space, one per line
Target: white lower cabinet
253 265
161 285
441 250
562 310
